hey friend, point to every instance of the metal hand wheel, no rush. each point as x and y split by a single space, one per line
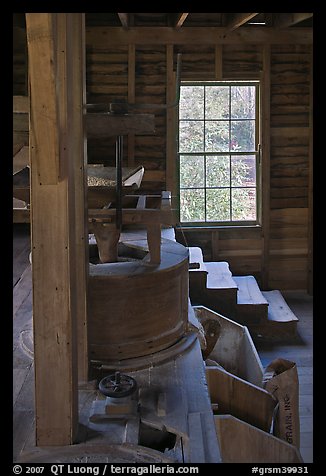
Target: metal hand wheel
117 385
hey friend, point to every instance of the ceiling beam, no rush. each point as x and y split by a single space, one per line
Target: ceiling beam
98 36
124 18
284 20
178 19
239 19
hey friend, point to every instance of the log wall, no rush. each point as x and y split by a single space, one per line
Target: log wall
282 254
289 166
124 65
19 62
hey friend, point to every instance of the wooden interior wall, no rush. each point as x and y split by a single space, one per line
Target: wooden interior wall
281 249
20 83
142 70
19 50
289 174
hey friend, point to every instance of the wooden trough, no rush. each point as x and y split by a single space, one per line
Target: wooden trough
244 412
234 349
235 380
234 373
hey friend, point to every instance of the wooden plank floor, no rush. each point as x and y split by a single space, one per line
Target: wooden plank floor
23 373
300 352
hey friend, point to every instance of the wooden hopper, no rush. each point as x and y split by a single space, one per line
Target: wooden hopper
101 183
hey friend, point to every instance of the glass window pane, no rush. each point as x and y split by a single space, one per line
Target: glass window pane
242 136
191 136
243 102
192 205
218 171
217 102
217 136
191 105
218 205
218 117
244 204
243 171
192 171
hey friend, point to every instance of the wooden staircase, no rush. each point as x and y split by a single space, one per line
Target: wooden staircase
265 313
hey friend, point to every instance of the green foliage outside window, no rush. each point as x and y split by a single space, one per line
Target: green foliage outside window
217 150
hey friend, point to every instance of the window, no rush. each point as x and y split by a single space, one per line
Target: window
219 153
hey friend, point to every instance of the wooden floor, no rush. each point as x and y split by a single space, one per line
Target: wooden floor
300 352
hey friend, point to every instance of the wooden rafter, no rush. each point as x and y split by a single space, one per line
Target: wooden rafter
239 19
124 18
284 20
178 19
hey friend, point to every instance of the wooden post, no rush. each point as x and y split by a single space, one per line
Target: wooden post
311 183
76 74
171 153
265 164
57 218
218 62
131 100
215 245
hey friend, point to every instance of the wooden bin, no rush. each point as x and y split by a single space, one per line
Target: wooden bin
232 395
136 309
241 442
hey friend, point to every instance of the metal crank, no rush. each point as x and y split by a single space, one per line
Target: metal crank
117 385
121 400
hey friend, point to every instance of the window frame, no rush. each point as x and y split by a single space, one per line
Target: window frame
257 153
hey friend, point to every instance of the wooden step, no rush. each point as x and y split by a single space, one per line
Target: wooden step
252 306
197 274
278 310
219 276
216 290
221 290
196 259
281 322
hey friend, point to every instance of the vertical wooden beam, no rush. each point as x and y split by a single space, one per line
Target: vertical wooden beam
77 158
265 163
131 100
218 62
215 245
171 128
42 62
57 211
310 189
